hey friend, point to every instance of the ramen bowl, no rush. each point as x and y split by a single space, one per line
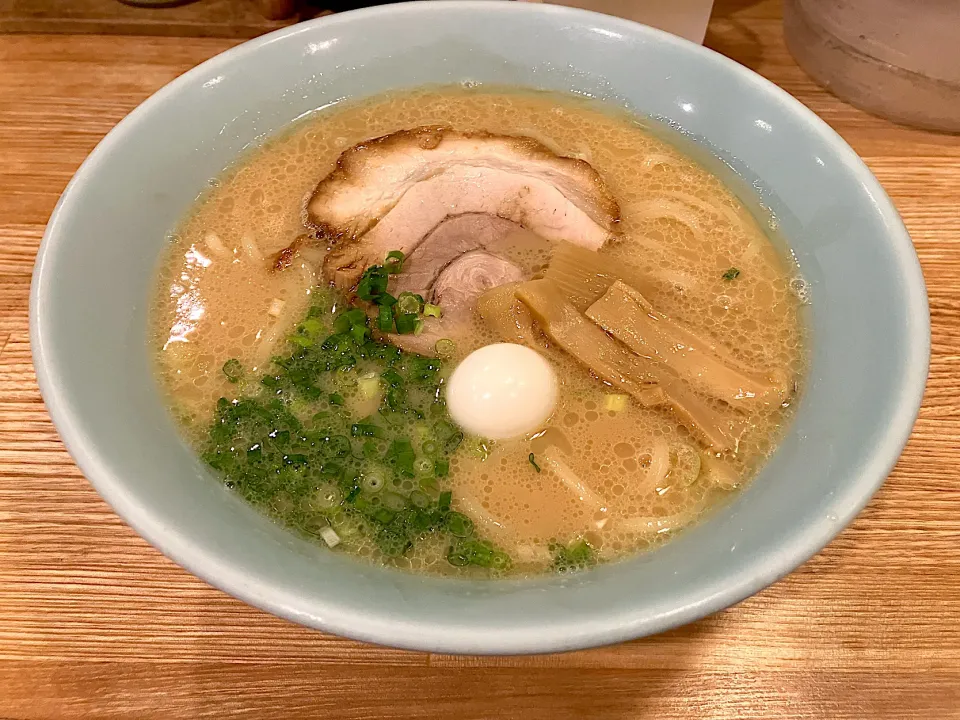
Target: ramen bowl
868 319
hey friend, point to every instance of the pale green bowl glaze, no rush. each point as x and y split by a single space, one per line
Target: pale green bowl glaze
869 318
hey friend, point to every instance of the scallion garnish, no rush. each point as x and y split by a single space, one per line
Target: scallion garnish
394 262
423 467
291 437
445 498
406 323
366 430
408 303
392 377
575 556
373 283
533 461
385 319
233 370
445 347
459 524
301 340
359 333
430 310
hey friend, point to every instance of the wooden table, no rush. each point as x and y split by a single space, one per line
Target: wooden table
94 623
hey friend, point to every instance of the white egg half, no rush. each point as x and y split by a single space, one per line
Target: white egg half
502 391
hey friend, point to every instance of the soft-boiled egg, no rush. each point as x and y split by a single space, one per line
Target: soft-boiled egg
501 391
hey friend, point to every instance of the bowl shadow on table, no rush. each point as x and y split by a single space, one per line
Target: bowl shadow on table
673 651
623 679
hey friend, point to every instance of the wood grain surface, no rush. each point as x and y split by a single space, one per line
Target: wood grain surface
200 18
94 623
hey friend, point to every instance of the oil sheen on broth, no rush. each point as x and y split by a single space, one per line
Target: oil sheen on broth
642 473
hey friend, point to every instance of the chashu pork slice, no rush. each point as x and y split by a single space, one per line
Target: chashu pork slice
448 241
454 265
456 289
390 193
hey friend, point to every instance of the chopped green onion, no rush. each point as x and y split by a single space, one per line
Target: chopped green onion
350 319
477 552
419 499
391 542
366 430
731 274
409 303
580 552
448 434
356 316
332 342
401 456
394 261
457 558
373 481
458 524
301 340
444 502
445 347
359 334
576 556
423 467
293 449
370 449
480 554
385 319
233 370
392 377
393 501
373 283
533 461
395 398
406 323
312 326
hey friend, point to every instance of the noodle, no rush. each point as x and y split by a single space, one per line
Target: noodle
251 248
215 244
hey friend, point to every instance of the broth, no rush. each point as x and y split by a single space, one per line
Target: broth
714 270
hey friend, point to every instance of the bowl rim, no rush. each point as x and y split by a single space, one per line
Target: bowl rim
754 575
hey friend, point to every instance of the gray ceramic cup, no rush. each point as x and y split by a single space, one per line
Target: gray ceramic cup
95 270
